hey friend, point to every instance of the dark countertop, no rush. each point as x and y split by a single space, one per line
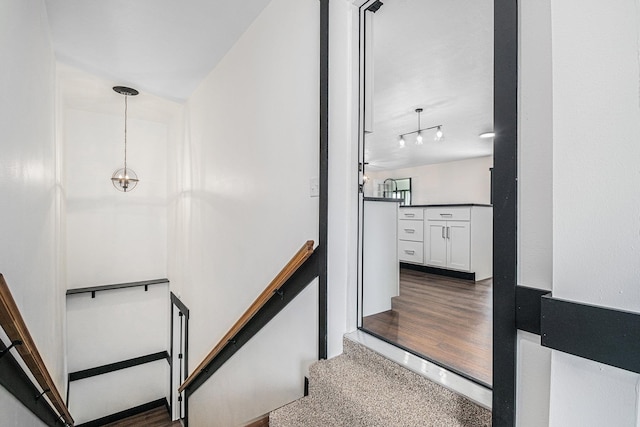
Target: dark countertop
447 205
381 199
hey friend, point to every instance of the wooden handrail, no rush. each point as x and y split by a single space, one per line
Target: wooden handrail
292 266
13 324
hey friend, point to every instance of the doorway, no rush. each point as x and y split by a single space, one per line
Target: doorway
427 117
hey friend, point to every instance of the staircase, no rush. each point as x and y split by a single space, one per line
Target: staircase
361 388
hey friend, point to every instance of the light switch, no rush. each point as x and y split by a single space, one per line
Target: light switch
314 187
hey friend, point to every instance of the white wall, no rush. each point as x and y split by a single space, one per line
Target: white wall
14 413
261 377
113 237
535 145
113 392
596 205
535 215
114 326
343 176
29 173
463 181
241 203
578 227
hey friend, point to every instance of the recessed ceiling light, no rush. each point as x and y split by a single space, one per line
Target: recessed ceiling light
487 135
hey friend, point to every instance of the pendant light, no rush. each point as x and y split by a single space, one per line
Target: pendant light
125 179
419 137
439 134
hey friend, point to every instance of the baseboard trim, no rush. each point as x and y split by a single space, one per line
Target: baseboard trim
440 271
262 421
126 413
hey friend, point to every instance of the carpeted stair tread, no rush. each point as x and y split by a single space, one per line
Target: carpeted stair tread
311 412
389 398
361 388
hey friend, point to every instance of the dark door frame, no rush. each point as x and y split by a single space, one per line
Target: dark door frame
505 213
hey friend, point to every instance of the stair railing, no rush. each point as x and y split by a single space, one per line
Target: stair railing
276 290
16 330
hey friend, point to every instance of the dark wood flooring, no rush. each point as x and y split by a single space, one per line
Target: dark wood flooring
158 417
444 319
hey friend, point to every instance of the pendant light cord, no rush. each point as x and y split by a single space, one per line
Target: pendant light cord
125 135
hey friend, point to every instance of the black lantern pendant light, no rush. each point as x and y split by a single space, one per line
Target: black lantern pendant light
125 179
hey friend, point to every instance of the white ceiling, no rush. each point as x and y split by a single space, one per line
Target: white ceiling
433 54
163 47
436 55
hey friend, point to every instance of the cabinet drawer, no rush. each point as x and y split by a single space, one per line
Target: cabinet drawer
449 214
410 230
410 251
411 213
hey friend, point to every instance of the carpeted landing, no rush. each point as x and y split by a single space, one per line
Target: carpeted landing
361 388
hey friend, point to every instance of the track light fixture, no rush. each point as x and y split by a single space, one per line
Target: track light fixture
419 138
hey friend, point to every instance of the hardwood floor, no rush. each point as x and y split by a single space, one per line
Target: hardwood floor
158 417
444 319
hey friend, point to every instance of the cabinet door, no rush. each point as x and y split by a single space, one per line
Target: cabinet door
458 245
436 243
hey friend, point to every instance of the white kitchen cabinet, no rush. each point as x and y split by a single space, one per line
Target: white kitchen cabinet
460 238
411 235
449 244
458 245
410 230
436 239
409 251
454 238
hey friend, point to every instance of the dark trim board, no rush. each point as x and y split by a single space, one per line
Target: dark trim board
94 289
126 413
17 383
505 211
112 367
600 334
528 301
440 271
323 209
596 333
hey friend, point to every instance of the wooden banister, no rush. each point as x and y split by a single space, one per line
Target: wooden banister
13 324
292 266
